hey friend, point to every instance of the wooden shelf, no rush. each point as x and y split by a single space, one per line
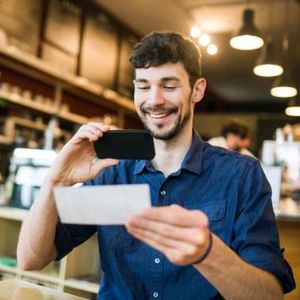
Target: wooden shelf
12 213
82 285
16 99
54 278
40 276
72 117
14 55
30 274
64 274
13 270
28 123
5 140
46 109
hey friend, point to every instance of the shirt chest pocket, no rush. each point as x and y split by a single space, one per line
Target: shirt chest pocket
215 211
116 237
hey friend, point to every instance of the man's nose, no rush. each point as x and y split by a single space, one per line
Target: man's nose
156 96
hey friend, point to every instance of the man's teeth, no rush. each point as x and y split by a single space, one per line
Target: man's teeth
158 115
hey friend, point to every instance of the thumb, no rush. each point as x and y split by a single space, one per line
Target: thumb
102 164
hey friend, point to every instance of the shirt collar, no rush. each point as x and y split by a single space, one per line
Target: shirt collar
193 158
140 165
191 161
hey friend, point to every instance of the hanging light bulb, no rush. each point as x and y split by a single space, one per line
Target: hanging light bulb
195 32
212 49
204 39
248 37
284 87
293 108
267 65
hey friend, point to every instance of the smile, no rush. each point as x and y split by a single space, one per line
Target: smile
158 116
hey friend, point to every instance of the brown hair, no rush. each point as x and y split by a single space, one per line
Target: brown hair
237 129
158 48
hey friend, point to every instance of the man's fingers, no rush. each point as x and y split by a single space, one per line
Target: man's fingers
159 239
100 126
179 253
91 131
90 135
176 215
193 235
149 241
101 165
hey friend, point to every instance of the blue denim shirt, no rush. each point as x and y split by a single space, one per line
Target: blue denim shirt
231 189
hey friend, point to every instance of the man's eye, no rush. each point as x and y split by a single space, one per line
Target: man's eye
142 87
170 88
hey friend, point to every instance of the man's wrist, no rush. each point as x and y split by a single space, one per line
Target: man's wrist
53 181
207 252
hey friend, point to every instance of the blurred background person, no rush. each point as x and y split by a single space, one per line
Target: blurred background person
235 136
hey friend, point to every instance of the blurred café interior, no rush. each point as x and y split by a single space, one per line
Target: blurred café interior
65 62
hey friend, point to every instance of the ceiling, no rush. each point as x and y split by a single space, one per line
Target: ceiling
229 73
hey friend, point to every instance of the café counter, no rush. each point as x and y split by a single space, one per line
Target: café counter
15 289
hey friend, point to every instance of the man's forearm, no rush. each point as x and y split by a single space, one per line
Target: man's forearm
236 279
36 242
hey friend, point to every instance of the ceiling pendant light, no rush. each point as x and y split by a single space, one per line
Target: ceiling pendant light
212 49
284 86
195 32
204 39
267 65
248 37
293 108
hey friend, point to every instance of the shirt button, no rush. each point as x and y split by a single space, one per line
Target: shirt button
155 294
157 260
163 193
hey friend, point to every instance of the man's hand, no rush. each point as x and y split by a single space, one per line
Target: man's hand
75 162
181 235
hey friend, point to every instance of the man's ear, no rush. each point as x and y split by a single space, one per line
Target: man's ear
198 90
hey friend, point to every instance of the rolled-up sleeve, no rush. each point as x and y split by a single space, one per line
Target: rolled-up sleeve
68 236
255 236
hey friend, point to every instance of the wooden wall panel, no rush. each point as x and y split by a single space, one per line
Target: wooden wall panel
99 49
20 20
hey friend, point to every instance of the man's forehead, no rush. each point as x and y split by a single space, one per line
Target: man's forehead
163 79
167 71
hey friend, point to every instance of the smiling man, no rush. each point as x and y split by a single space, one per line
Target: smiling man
211 231
153 86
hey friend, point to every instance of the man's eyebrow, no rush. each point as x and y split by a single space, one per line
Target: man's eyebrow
164 79
171 78
140 80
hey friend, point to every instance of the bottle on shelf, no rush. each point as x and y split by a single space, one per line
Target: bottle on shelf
2 191
49 134
288 133
279 136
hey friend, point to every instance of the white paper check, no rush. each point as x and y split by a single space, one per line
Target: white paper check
101 205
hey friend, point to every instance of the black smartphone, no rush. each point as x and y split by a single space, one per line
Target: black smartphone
125 144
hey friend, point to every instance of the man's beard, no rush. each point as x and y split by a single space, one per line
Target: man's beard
173 131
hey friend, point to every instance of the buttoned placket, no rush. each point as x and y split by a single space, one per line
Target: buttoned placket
158 258
157 282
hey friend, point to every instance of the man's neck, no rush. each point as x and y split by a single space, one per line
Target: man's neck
170 153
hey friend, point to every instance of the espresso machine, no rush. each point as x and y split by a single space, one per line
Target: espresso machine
28 168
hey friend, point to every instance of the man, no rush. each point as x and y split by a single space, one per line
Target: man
211 232
235 136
